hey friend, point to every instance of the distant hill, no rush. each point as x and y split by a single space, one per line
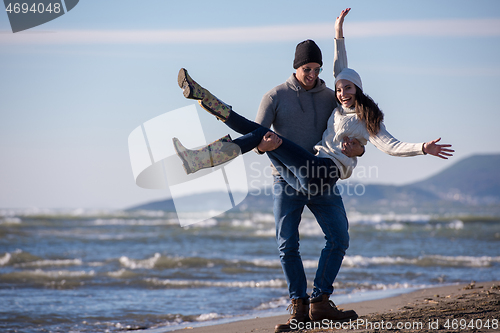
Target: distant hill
473 178
470 182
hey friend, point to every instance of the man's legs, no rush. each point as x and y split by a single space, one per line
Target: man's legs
329 211
288 207
328 208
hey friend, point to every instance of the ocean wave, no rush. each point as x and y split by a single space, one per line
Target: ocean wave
165 262
194 221
243 223
275 283
360 261
430 260
4 260
454 224
56 262
17 257
389 222
84 213
209 316
136 264
133 222
20 258
122 274
263 217
458 261
158 261
266 232
42 276
310 263
363 287
356 218
266 263
274 304
10 220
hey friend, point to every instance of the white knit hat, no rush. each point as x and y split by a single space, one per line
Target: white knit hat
349 75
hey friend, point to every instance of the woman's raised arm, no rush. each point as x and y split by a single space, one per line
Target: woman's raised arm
339 22
340 55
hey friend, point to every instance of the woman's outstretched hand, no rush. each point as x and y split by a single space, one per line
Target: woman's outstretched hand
438 150
339 22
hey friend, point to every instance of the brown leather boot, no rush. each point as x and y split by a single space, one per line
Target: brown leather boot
322 308
300 313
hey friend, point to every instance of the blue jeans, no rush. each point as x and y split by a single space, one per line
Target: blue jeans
294 189
304 171
328 209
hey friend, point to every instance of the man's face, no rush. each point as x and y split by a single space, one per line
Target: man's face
307 75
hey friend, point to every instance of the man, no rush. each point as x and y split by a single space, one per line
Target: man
298 110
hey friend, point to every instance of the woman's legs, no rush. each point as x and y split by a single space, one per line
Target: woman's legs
304 171
242 125
301 169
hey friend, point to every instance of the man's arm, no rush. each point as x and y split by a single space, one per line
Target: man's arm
265 117
266 113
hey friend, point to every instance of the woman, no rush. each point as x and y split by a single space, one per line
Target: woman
356 117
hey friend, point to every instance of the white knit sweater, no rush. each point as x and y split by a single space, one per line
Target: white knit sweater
344 122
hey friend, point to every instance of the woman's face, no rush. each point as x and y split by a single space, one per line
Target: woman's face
346 93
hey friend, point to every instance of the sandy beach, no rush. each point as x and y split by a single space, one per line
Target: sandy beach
473 307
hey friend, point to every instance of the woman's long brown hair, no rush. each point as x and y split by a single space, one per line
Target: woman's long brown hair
368 110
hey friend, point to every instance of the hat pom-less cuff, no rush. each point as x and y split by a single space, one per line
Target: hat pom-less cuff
350 75
306 52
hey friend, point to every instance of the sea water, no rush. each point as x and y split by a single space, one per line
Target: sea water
114 271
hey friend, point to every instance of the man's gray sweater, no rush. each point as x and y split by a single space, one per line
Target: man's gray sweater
297 114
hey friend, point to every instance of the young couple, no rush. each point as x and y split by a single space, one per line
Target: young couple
317 135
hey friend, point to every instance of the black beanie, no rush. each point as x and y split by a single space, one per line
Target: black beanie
306 52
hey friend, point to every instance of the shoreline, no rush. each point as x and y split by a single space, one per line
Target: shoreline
423 309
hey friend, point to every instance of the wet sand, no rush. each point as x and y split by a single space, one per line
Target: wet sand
458 308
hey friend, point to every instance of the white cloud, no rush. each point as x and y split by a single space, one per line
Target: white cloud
429 28
470 71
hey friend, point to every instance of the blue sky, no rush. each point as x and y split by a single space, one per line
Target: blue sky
73 89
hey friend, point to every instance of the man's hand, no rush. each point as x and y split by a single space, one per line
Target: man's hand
352 147
269 142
